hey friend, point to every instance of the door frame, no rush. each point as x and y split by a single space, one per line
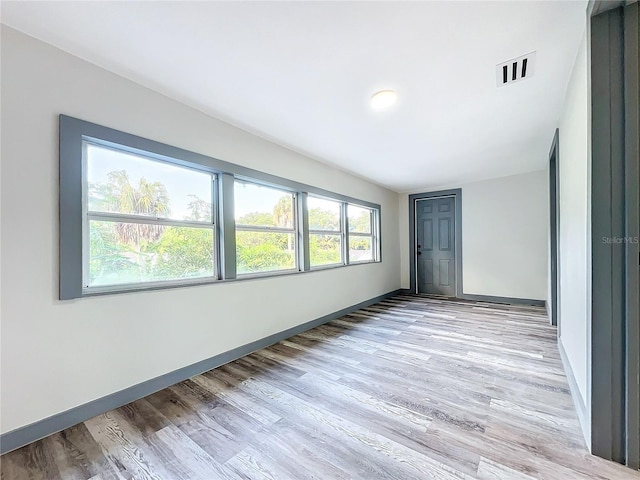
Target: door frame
615 228
456 193
632 226
554 225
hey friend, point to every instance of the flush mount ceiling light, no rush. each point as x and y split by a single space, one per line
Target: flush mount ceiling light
383 99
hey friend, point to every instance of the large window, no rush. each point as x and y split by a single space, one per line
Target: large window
146 221
137 214
325 232
362 238
265 228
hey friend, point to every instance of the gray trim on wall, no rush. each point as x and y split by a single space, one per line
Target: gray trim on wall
74 132
615 322
554 223
457 194
42 428
607 220
70 208
303 220
632 230
596 7
227 226
505 300
145 146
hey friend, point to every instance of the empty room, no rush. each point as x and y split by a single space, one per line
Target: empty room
319 240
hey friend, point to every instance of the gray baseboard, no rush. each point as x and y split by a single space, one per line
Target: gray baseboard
42 428
581 408
505 300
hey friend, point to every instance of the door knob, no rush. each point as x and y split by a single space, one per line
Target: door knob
419 253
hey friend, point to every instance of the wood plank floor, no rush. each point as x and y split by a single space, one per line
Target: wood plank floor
414 387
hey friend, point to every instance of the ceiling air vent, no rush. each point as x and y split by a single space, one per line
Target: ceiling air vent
515 70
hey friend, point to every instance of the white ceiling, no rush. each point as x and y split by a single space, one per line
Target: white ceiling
301 74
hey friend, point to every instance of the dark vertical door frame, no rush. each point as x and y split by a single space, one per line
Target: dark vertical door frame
632 227
554 201
614 220
606 221
457 194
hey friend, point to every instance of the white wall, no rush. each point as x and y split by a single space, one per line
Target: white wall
504 236
574 309
57 355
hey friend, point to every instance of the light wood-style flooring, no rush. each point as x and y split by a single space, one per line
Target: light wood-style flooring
414 387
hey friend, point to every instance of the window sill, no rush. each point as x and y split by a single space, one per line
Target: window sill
272 273
147 287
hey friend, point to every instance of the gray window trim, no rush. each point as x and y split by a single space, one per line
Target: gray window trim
457 195
72 134
226 227
303 238
345 234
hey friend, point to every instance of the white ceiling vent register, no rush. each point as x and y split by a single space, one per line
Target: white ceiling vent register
515 70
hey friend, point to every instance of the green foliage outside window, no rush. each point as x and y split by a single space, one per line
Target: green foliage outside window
137 252
324 249
264 251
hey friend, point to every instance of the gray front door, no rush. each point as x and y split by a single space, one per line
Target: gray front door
435 231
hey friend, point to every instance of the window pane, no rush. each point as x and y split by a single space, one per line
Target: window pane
324 249
359 219
323 214
264 251
134 253
256 205
360 249
122 182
